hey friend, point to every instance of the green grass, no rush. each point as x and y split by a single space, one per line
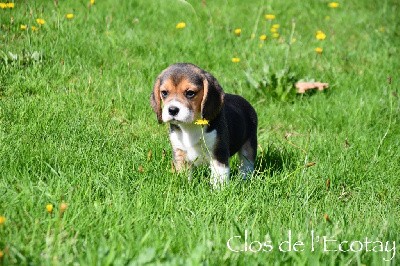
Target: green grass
76 127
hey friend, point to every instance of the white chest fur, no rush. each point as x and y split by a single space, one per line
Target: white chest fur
195 141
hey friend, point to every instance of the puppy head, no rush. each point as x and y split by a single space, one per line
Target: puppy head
184 93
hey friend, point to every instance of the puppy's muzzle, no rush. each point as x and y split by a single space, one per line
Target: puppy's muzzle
173 110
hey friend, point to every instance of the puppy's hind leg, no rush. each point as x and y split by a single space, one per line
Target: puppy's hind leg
247 156
219 173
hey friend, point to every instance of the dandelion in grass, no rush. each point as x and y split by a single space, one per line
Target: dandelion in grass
320 35
263 37
269 17
201 122
40 21
318 50
49 208
33 28
333 4
181 25
275 35
2 220
7 5
274 30
23 27
235 60
69 16
92 2
238 32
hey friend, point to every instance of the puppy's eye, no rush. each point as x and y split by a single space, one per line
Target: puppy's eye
190 94
164 94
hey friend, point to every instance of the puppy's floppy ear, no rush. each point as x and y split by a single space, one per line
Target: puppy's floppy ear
155 100
213 97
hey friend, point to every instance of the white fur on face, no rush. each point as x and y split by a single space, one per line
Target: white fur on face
185 115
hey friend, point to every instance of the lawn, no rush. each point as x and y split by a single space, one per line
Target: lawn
85 169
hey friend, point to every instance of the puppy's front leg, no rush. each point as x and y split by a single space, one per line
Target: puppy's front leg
219 173
180 162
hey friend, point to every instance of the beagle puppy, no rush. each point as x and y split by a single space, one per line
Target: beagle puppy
182 94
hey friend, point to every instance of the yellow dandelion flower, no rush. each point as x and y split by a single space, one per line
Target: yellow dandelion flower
2 220
269 17
274 30
276 26
49 208
69 16
235 60
318 50
275 35
263 37
33 28
92 2
23 27
3 5
40 21
10 5
238 32
320 35
181 25
333 4
201 122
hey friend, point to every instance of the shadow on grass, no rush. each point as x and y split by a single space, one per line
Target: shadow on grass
273 160
270 161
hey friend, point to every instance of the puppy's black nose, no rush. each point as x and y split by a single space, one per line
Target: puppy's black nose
173 110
